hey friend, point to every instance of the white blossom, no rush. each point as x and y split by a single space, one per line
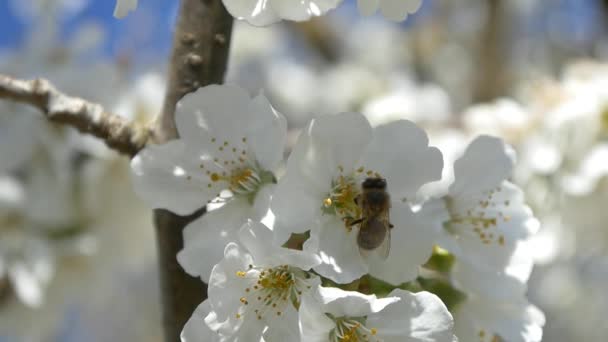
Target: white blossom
229 147
323 178
495 306
396 10
266 12
256 289
485 215
123 7
335 315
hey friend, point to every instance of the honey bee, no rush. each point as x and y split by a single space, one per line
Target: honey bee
374 224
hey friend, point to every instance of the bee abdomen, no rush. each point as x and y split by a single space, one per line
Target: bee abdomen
371 234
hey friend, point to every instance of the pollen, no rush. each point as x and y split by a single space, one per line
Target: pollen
341 200
483 219
215 177
241 274
275 288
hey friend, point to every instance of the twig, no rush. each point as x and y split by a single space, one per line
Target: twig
200 54
118 133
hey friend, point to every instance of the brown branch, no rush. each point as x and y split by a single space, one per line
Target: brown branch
200 54
118 133
492 79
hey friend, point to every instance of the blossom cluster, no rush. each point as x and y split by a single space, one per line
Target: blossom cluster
266 12
355 236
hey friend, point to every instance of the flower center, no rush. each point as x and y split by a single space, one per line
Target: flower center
480 220
341 200
233 168
271 290
352 329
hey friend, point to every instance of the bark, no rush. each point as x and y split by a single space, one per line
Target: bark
492 79
90 118
200 52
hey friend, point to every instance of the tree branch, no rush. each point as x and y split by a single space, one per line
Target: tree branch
200 53
118 133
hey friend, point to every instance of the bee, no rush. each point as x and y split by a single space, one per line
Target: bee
374 224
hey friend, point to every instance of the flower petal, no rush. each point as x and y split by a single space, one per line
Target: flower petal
342 303
255 12
267 134
342 137
222 112
314 324
412 238
225 289
206 237
123 7
295 206
257 238
368 7
515 320
417 317
399 151
486 162
397 10
302 9
196 330
341 260
167 176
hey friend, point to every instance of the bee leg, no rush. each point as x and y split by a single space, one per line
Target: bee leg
352 223
390 225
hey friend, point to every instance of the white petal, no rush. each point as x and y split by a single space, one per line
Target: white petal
267 134
222 112
329 142
28 287
486 162
342 303
123 7
206 237
397 10
256 12
399 151
515 320
412 240
196 330
341 138
302 9
168 176
493 243
284 328
314 324
225 287
340 257
416 317
368 7
487 282
12 194
258 240
295 205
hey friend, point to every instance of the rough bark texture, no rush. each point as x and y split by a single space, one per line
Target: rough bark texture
200 52
87 117
492 76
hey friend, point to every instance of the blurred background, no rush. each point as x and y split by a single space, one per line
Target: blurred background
77 251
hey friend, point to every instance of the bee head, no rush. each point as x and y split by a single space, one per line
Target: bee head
374 183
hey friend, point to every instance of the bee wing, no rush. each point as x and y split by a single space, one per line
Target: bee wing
384 249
